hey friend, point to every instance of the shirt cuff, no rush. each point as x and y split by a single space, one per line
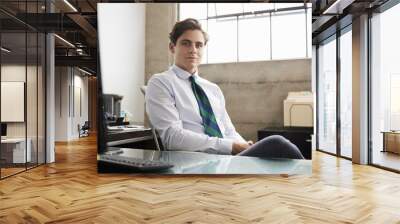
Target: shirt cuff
225 146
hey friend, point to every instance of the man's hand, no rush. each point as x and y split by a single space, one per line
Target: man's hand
237 147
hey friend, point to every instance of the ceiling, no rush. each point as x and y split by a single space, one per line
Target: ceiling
77 25
332 15
76 22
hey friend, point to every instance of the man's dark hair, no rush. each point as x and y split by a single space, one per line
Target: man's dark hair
182 26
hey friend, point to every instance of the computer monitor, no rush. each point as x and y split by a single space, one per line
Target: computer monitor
3 129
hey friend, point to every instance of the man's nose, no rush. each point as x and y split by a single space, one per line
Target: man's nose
193 48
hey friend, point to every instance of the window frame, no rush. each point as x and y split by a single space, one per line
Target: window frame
334 37
267 13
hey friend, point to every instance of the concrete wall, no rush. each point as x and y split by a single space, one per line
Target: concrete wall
254 91
160 18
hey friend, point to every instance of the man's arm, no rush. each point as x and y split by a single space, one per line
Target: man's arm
230 131
239 143
164 117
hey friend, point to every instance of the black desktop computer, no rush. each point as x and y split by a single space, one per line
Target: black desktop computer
3 130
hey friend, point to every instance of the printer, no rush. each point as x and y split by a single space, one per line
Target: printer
298 109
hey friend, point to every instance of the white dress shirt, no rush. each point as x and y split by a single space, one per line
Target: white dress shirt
173 111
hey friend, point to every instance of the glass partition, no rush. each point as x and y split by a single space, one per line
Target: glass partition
22 89
14 153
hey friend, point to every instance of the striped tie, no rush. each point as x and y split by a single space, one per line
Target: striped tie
210 124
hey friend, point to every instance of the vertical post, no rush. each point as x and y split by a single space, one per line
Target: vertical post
316 133
338 98
26 88
360 90
50 92
270 35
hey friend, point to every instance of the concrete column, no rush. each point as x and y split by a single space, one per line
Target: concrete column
360 90
50 99
160 18
50 92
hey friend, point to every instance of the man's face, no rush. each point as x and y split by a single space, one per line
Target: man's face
188 50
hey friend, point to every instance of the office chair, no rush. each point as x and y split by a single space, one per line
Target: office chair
84 129
153 130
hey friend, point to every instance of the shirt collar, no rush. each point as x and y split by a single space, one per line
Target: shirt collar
182 73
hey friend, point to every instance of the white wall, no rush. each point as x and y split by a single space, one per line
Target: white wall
61 103
121 30
80 83
67 115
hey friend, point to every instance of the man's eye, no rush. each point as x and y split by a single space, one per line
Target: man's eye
199 45
185 43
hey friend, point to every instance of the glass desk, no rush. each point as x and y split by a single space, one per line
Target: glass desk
203 163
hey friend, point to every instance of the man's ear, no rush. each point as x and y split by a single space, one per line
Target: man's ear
172 48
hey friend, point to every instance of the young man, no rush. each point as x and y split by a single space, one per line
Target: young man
189 112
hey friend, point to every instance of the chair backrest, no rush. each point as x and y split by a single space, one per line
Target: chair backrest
153 130
86 125
143 89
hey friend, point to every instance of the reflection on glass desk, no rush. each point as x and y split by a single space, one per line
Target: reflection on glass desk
203 163
126 128
127 134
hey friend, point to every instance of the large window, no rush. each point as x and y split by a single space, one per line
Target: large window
385 89
286 26
335 94
259 47
327 95
252 31
346 93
